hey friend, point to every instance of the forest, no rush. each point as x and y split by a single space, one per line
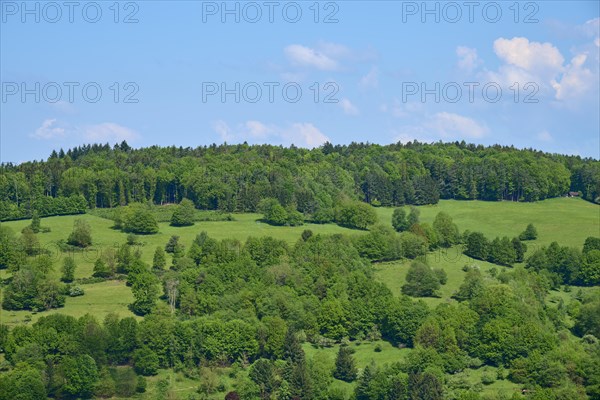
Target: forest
235 178
263 272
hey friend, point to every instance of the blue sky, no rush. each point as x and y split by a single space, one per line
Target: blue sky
193 73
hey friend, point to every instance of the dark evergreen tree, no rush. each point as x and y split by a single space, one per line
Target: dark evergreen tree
345 365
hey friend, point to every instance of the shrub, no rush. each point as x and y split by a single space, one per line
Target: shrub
81 236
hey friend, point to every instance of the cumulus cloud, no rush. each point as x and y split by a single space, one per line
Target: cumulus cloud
441 126
49 129
348 107
451 126
468 60
109 132
519 51
302 134
542 63
325 56
575 80
305 135
306 56
53 128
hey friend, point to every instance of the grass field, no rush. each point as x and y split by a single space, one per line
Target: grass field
565 220
568 221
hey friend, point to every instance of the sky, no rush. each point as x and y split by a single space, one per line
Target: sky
192 73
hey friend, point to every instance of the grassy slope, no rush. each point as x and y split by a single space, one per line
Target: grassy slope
568 221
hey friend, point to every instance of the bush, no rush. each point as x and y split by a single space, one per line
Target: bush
75 291
487 378
139 219
184 214
81 236
421 281
530 233
145 361
356 215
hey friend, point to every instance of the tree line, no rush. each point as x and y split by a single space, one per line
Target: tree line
311 182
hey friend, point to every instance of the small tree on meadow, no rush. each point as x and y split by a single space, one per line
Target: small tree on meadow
81 236
345 365
184 214
530 233
101 270
140 220
68 270
399 220
413 216
159 261
36 224
421 281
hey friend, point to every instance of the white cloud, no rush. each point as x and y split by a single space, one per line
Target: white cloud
591 28
348 107
105 132
441 126
453 126
576 80
223 130
49 130
305 135
109 132
402 110
371 79
544 65
325 56
302 134
306 56
530 56
468 59
545 136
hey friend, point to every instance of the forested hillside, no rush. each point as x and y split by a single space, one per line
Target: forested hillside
313 182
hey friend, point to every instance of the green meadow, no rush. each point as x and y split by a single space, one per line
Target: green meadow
565 220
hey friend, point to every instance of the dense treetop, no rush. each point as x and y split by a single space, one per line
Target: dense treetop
238 177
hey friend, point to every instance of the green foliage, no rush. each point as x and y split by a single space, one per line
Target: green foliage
588 318
477 246
79 374
139 219
472 286
35 221
530 233
502 252
275 214
421 281
145 292
184 214
29 289
402 319
345 365
11 254
101 270
24 382
68 270
81 236
399 220
355 215
145 361
446 229
159 260
29 242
